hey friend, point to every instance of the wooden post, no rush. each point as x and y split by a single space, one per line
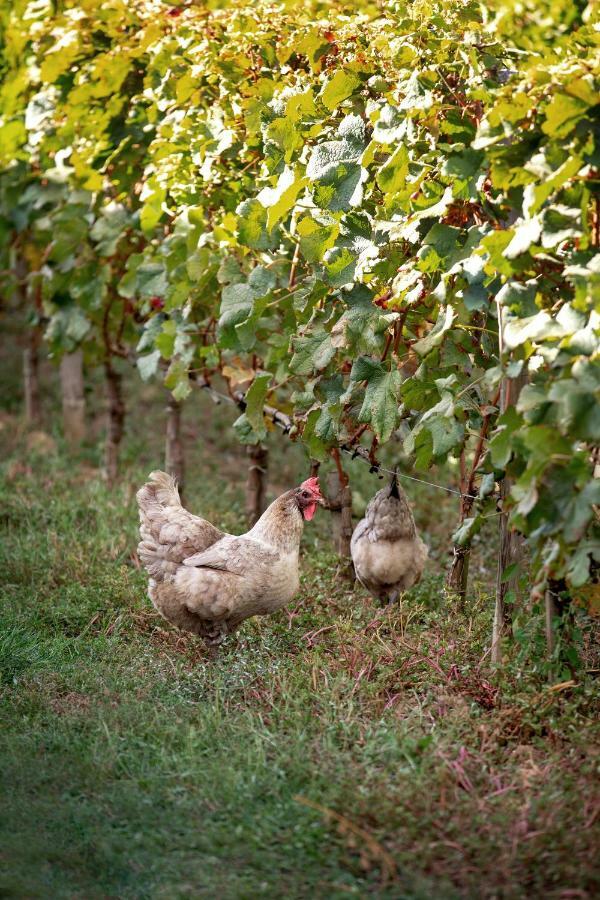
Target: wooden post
174 457
116 420
256 482
73 396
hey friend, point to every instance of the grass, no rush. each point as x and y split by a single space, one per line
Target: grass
328 751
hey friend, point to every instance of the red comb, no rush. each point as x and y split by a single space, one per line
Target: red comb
312 484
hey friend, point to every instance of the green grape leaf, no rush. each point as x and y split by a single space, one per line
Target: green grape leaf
380 405
148 364
252 223
311 352
392 175
338 88
435 337
255 400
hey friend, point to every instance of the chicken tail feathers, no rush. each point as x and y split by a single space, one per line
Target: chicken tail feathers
160 491
156 499
168 532
394 492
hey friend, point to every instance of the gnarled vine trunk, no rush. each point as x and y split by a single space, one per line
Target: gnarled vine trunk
346 528
339 502
31 365
511 543
510 553
556 603
73 396
458 577
174 456
116 421
256 483
31 377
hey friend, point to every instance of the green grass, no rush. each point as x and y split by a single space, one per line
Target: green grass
327 751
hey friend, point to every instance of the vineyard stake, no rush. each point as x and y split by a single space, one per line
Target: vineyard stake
73 396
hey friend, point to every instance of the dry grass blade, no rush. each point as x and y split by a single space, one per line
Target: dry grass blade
387 865
563 686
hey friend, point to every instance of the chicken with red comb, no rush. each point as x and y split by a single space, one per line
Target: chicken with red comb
208 582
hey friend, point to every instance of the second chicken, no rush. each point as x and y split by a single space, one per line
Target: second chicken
387 552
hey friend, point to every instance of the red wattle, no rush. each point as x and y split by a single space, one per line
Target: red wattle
309 511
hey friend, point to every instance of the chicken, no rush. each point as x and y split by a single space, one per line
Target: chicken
208 582
387 552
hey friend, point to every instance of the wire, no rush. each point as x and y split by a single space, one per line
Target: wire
354 453
441 487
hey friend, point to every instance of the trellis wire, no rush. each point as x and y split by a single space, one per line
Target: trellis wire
376 467
284 423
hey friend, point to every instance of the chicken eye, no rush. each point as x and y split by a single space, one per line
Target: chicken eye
305 494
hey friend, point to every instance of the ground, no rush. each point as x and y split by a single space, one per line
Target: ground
331 750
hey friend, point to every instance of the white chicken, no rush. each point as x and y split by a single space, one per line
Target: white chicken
387 552
208 582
